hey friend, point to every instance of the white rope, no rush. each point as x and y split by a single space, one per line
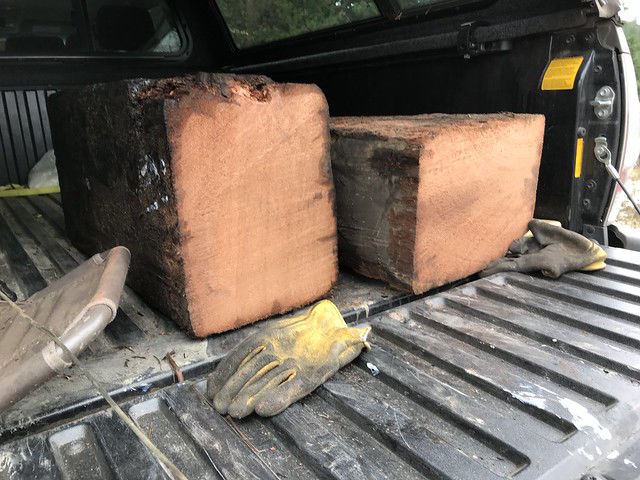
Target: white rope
161 457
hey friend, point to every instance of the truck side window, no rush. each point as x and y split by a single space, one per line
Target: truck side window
133 26
255 22
35 27
82 27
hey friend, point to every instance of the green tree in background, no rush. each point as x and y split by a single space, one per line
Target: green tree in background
253 22
632 31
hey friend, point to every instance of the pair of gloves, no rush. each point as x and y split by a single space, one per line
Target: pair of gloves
286 361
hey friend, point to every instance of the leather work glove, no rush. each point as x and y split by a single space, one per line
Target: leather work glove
284 362
552 250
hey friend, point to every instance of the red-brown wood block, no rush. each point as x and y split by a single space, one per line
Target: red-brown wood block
220 186
426 200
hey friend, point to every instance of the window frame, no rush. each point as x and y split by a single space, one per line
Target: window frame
440 6
391 14
84 30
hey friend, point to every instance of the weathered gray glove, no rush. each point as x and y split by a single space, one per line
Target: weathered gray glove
8 292
552 250
284 362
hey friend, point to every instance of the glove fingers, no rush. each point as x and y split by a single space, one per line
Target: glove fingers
498 266
249 372
277 395
274 400
524 245
244 402
547 234
545 261
237 357
554 260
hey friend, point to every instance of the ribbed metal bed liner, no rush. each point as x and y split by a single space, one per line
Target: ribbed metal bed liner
129 356
514 376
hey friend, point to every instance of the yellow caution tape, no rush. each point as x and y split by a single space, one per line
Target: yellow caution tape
561 73
13 190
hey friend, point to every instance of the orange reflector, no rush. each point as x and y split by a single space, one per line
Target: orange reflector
579 155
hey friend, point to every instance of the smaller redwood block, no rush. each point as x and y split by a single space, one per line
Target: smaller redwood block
426 200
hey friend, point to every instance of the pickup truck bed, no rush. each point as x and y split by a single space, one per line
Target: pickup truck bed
514 376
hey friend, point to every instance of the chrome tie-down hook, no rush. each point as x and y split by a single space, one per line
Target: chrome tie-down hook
603 155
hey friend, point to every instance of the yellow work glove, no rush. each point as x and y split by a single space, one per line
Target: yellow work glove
552 250
284 362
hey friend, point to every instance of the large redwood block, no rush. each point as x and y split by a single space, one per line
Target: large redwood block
219 185
426 200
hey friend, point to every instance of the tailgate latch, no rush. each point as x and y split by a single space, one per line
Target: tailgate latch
603 103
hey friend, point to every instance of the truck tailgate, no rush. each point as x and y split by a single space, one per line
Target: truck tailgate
513 376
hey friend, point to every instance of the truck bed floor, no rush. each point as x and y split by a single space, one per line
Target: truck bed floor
513 376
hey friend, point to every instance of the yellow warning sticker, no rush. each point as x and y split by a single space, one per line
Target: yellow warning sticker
561 73
579 156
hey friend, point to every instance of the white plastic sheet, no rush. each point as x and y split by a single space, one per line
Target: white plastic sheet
44 173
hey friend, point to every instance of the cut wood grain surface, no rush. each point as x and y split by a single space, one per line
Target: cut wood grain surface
429 199
220 185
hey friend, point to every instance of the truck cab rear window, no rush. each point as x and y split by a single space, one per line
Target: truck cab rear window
256 22
38 27
85 27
